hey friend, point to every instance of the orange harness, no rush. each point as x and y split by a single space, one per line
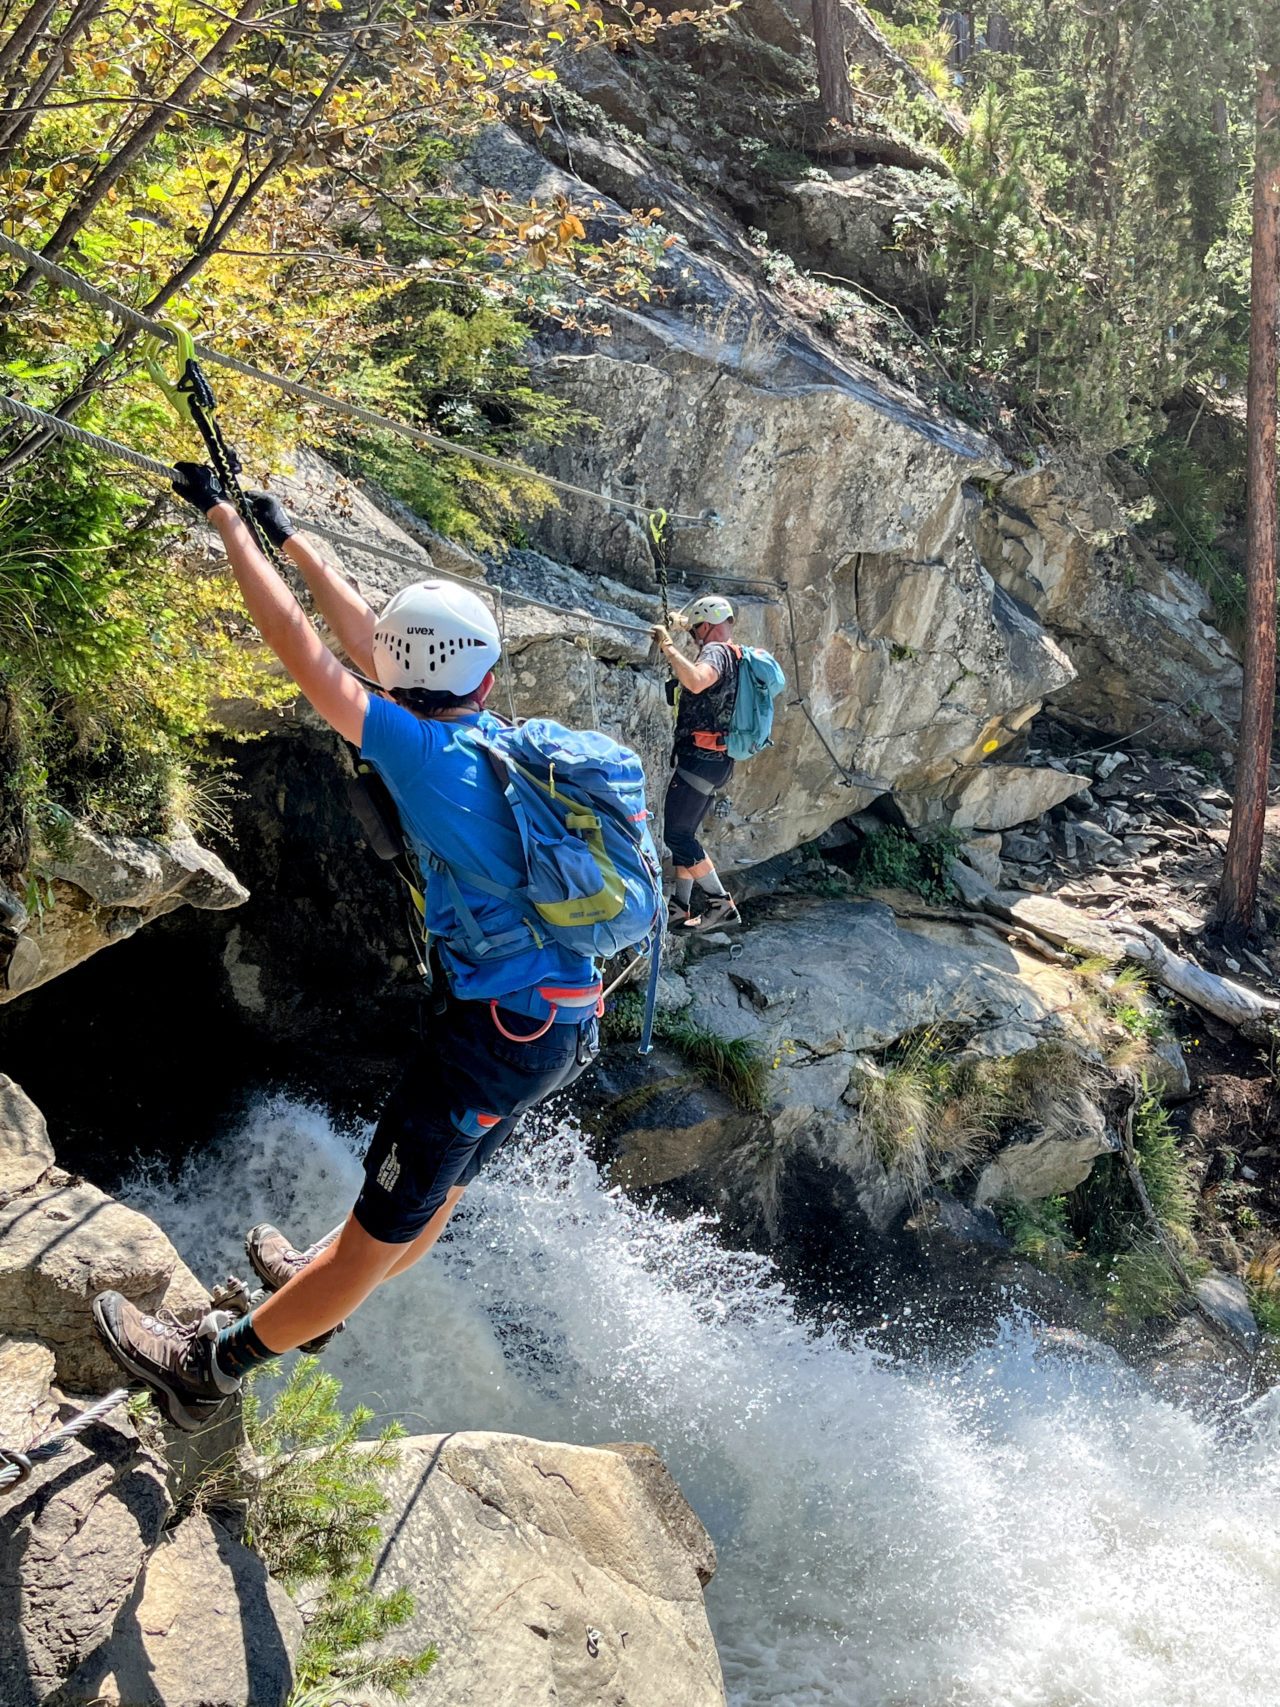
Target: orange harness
713 740
587 996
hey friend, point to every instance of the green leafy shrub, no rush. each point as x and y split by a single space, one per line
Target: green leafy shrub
1262 1277
1141 1284
1198 505
313 1517
926 1111
453 362
1039 1232
893 859
116 655
1162 1164
1131 1268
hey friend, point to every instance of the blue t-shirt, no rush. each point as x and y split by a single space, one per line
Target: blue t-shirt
451 804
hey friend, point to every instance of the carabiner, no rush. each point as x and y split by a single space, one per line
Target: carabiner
191 390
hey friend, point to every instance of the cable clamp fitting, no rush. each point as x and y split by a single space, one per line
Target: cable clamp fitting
12 1458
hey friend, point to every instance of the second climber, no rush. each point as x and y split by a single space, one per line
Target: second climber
705 690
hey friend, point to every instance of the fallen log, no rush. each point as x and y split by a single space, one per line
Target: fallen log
1254 1015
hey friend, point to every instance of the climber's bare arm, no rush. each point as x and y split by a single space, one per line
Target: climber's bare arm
696 678
348 616
283 624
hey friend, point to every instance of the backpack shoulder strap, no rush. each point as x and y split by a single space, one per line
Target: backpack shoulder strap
479 944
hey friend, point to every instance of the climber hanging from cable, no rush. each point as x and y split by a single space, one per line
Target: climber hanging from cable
538 864
723 701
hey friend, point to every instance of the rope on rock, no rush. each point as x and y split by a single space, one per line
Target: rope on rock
16 1466
348 542
138 322
162 471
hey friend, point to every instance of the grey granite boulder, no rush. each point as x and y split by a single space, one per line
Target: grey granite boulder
544 1572
205 1627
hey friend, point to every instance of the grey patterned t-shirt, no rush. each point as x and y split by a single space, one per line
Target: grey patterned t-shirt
713 708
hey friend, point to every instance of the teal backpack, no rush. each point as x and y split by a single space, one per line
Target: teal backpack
760 681
594 879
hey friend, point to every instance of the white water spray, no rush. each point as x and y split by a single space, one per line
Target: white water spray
1027 1529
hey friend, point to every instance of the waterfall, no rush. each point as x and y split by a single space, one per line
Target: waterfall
1025 1526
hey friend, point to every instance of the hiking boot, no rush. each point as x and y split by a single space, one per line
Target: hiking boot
716 910
677 914
173 1358
275 1262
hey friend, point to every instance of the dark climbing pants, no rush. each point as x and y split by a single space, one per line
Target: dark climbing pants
459 1100
693 787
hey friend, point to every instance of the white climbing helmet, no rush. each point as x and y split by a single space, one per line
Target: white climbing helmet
711 608
435 635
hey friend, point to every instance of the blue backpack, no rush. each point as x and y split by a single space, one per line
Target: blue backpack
594 879
760 681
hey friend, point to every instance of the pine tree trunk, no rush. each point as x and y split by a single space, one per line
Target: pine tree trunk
833 71
1238 899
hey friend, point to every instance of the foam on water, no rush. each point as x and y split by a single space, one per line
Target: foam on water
1025 1529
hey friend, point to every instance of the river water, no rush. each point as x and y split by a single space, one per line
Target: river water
1022 1528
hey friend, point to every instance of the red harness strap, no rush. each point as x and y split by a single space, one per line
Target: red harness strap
589 997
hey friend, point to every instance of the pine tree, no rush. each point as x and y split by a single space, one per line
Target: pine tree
1238 899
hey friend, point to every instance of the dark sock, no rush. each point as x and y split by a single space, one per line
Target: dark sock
238 1349
711 884
684 890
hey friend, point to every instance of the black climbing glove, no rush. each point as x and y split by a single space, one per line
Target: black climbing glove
198 485
271 516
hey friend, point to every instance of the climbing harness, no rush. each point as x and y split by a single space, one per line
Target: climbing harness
193 401
16 1466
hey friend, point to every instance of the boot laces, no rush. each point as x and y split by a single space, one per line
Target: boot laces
166 1325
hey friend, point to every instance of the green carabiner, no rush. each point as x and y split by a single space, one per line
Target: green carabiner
192 388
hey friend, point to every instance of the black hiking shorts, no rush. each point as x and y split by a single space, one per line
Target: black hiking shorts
689 796
458 1101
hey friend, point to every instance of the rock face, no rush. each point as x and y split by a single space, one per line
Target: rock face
97 890
26 1154
1054 1158
205 1627
546 1572
62 1241
1134 627
73 1539
97 1604
1224 1298
819 992
991 797
27 1406
846 221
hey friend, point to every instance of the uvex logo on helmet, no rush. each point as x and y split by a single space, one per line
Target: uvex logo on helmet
435 635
